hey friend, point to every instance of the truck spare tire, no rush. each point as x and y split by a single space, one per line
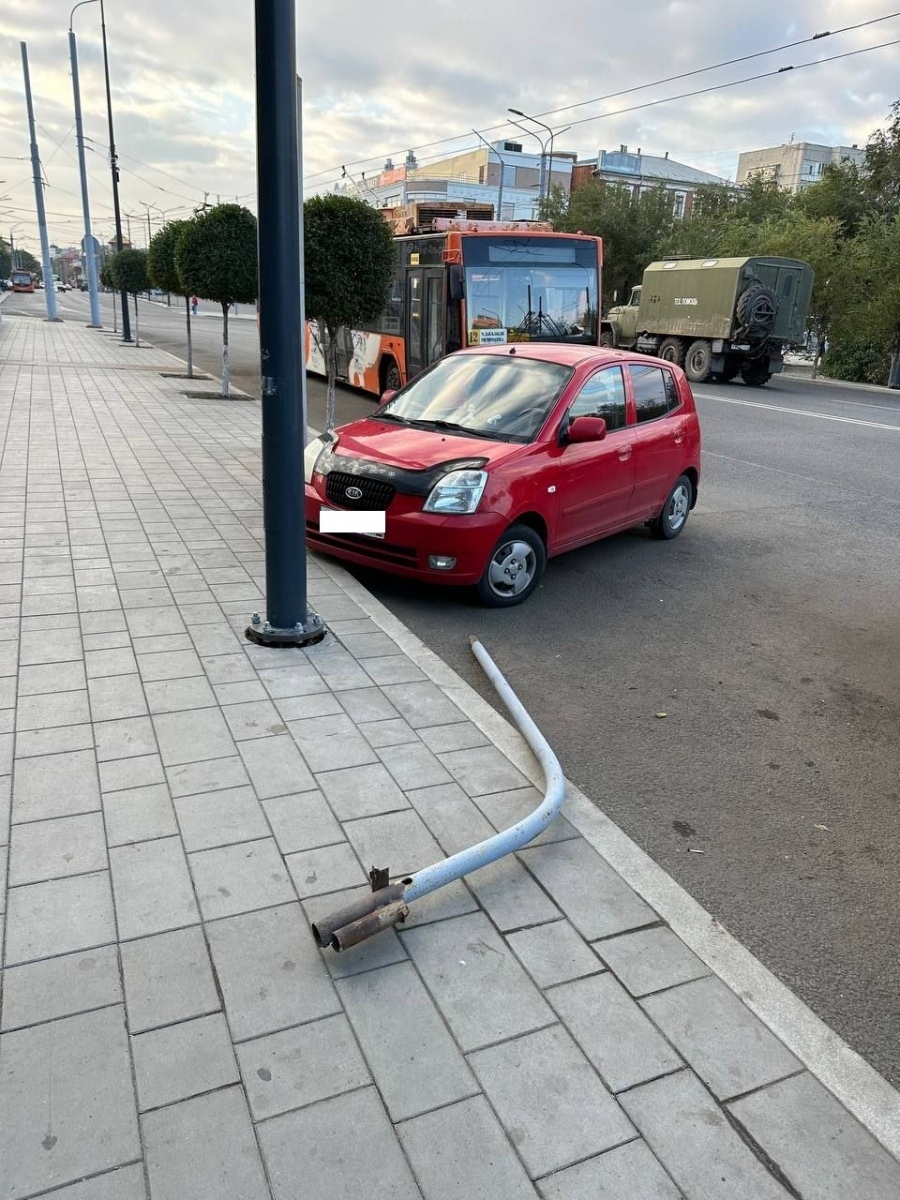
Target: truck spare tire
756 310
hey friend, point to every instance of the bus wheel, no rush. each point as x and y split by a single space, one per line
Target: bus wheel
391 377
606 339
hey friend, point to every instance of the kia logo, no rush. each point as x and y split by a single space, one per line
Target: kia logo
353 493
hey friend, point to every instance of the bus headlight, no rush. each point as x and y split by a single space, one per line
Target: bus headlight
457 492
310 458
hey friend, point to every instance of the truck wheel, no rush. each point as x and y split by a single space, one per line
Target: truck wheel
606 339
672 350
755 374
697 362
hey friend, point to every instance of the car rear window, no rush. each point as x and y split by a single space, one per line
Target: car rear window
655 391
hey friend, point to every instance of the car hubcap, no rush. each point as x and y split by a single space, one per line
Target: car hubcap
512 568
678 507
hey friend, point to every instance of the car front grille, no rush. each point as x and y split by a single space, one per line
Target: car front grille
376 494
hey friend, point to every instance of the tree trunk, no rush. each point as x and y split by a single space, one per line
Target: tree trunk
115 322
137 326
330 337
225 351
190 345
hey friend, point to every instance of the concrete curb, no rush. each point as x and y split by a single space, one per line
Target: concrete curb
862 1091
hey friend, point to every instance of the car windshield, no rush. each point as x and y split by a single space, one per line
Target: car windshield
484 395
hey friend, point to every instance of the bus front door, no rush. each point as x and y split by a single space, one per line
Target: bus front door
425 333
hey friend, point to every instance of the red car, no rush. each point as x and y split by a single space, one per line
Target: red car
497 458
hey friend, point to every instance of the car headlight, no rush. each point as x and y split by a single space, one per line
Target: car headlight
310 458
457 492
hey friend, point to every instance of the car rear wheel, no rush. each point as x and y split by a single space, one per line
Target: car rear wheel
673 517
514 569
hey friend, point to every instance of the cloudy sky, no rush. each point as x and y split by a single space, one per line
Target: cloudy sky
379 79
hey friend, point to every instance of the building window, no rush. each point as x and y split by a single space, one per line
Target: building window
678 206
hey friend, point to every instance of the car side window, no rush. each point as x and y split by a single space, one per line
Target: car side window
655 391
603 395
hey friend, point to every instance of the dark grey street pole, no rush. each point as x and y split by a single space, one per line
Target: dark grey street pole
114 167
288 620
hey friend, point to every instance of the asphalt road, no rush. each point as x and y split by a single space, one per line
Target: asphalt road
769 633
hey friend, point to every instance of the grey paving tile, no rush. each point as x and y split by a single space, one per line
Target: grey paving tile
459 735
214 639
613 1031
340 671
9 656
326 869
124 773
51 677
275 767
387 733
104 663
82 1062
397 840
131 737
462 1150
367 704
361 791
554 953
240 693
204 1147
543 1087
482 770
102 622
237 879
510 895
152 887
302 822
161 643
730 1049
482 991
299 708
299 1066
60 987
451 816
393 669
139 815
229 668
504 809
301 1145
625 1173
221 818
369 955
50 646
423 704
116 696
822 1150
596 900
173 664
330 743
122 1183
192 737
183 1060
299 679
270 972
37 743
414 1060
692 1138
168 978
255 719
369 645
59 917
48 711
651 960
55 848
414 766
190 779
179 695
145 622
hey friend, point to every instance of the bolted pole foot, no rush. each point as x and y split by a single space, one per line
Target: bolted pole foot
263 633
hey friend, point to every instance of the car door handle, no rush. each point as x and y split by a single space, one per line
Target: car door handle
624 453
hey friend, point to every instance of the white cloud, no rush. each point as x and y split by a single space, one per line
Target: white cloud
379 81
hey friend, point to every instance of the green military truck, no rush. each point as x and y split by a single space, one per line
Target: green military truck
715 316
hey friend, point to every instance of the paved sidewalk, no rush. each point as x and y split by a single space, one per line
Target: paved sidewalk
183 804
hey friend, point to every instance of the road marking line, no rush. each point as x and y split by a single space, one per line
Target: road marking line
798 412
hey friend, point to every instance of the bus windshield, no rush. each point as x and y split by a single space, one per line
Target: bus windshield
530 289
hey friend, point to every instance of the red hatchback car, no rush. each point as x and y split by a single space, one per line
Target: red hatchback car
497 458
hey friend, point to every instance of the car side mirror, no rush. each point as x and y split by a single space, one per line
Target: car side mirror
388 395
586 429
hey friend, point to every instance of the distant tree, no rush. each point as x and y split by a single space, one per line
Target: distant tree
841 194
129 273
882 164
350 262
216 258
164 274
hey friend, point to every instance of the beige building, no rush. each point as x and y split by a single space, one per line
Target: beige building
795 165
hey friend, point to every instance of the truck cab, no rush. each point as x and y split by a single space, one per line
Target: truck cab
620 326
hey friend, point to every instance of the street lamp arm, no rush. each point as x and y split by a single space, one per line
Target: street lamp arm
78 5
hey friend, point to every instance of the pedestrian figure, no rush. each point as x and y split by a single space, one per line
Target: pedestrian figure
194 303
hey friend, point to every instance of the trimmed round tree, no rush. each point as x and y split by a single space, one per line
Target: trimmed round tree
164 274
216 258
349 258
129 272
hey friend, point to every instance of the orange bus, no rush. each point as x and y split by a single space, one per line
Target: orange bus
472 283
22 281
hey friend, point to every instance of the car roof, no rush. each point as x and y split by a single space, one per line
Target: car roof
565 353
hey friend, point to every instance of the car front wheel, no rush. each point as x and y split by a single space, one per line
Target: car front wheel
514 569
673 517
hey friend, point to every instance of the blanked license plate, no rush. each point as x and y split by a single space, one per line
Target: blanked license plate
340 520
